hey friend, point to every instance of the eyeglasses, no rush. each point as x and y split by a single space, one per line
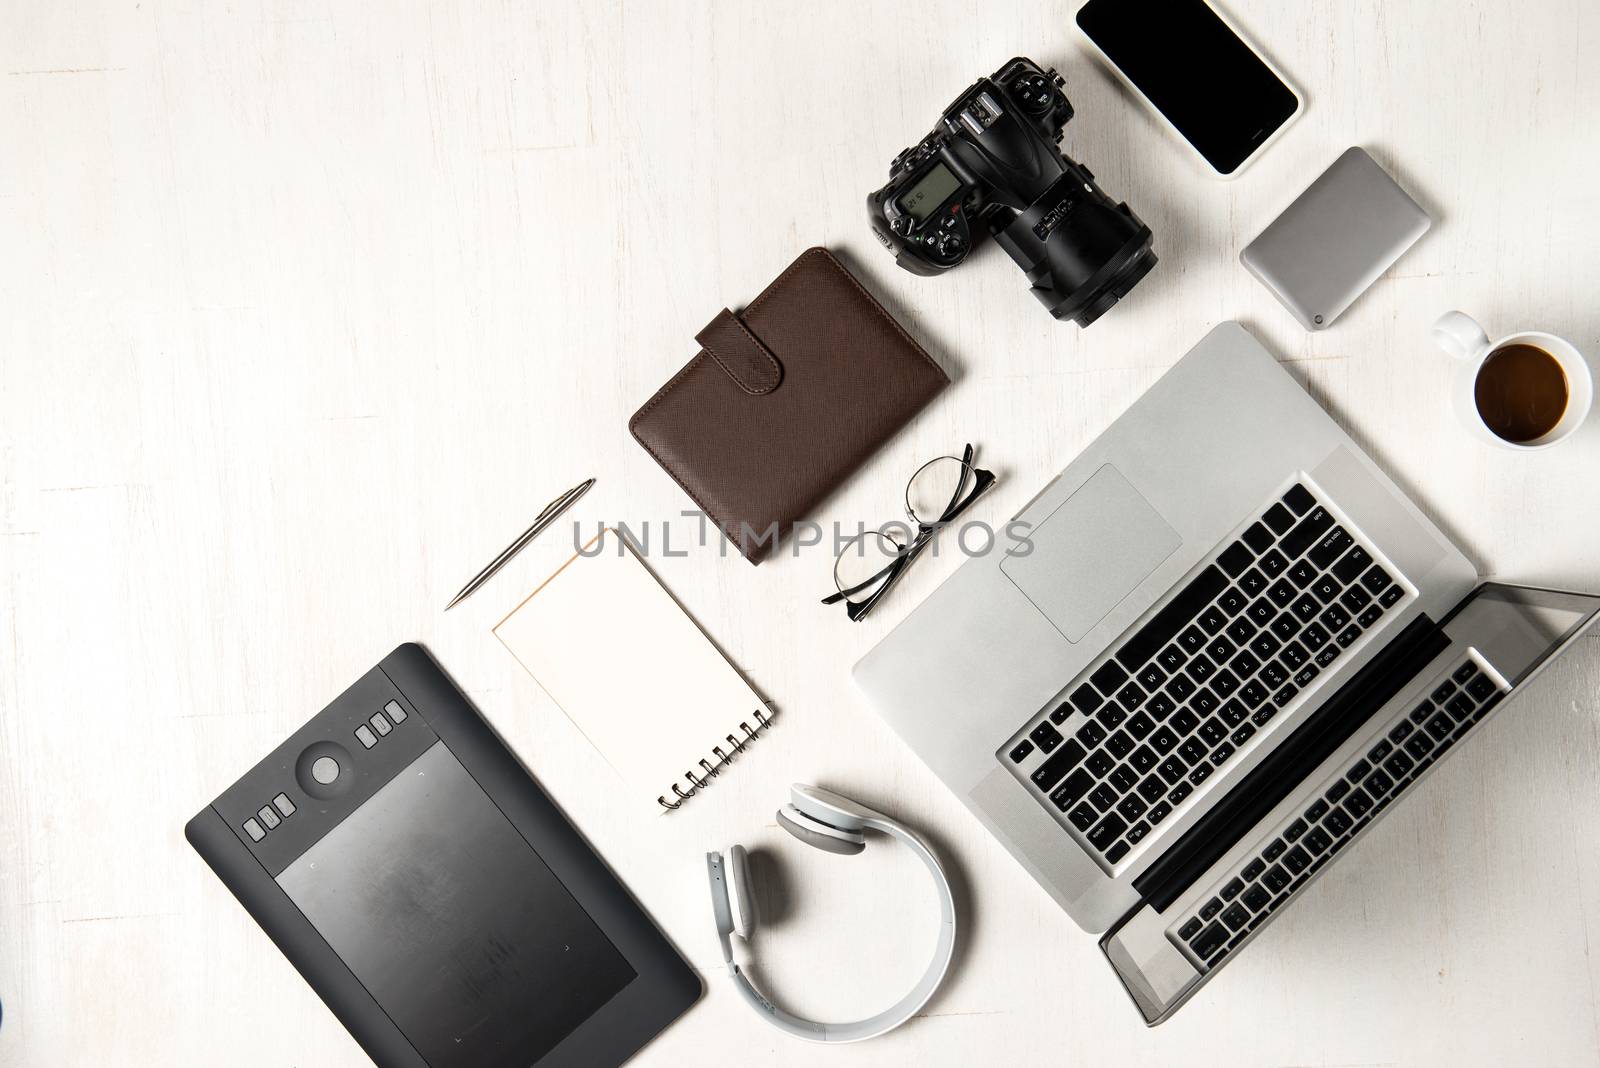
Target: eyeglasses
869 564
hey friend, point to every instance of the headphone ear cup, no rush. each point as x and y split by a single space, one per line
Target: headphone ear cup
814 832
741 894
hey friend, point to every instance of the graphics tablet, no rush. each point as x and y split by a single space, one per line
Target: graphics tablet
432 895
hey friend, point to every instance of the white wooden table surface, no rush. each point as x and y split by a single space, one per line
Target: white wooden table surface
307 307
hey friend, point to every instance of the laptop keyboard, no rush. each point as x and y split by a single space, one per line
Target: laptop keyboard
1186 692
1352 800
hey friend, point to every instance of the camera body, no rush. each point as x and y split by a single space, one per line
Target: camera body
992 164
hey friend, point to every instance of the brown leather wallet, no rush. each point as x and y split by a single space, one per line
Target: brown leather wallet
785 401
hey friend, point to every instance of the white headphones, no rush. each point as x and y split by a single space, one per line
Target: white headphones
836 824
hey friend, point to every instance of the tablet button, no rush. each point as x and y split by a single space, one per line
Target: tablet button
380 724
325 770
285 806
365 736
396 711
253 829
269 817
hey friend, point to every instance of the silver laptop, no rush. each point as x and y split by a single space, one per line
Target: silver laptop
1233 644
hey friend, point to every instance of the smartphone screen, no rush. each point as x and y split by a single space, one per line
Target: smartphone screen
1219 94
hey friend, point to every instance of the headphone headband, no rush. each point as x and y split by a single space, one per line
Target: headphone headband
832 809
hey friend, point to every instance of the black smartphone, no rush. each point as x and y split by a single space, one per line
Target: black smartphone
1196 73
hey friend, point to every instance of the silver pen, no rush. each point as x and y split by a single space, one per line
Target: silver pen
551 513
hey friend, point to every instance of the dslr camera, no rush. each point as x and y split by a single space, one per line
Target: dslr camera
992 163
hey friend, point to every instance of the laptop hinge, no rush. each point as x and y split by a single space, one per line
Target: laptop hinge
1282 770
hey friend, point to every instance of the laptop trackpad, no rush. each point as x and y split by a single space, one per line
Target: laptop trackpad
1091 552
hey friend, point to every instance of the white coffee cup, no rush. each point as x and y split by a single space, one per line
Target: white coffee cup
1459 335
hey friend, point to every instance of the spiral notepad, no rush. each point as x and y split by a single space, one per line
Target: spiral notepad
635 673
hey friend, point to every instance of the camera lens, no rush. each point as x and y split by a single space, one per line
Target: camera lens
1081 252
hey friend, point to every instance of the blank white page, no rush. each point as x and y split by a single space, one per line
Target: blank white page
629 667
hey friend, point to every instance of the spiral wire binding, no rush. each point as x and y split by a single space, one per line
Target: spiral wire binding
721 759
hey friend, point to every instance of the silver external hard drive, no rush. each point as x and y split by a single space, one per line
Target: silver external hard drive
1336 239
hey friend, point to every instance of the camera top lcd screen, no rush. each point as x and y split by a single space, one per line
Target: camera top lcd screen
925 197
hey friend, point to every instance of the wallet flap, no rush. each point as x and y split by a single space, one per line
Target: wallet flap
750 364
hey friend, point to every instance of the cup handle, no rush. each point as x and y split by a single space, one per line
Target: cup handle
1459 334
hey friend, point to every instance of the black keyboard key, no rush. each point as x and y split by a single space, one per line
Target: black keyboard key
1294 656
1348 636
1236 917
1337 822
1265 645
1109 676
1418 746
1235 558
1379 751
1354 563
1293 832
1274 850
1261 612
1083 817
1355 598
1296 860
1327 656
1370 616
1162 627
1163 740
1318 809
1137 832
1274 675
1171 658
1305 675
1232 713
1272 563
1045 737
1072 789
1103 796
1326 588
1253 694
1302 574
1021 751
1152 789
1117 852
1378 783
1224 683
1245 732
1398 765
1177 794
1281 593
1194 750
1131 696
1212 620
1255 899
1086 699
1263 714
1306 532
1258 537
1220 649
1142 759
1160 706
1275 878
1299 498
1131 807
1139 725
1278 518
1210 940
1358 804
1200 668
1180 688
1335 618
1151 676
1184 722
1337 791
1460 706
1376 580
1315 637
1199 774
1420 714
1234 888
1192 640
1050 772
1220 754
1158 812
1391 595
1189 930
1481 688
1232 602
1306 608
1110 715
1059 716
1204 702
1173 769
1240 631
1440 727
1400 731
1099 763
1107 831
1252 582
1358 771
1464 672
1317 841
1090 734
1331 546
1124 778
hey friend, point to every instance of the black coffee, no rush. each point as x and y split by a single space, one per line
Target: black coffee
1521 392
